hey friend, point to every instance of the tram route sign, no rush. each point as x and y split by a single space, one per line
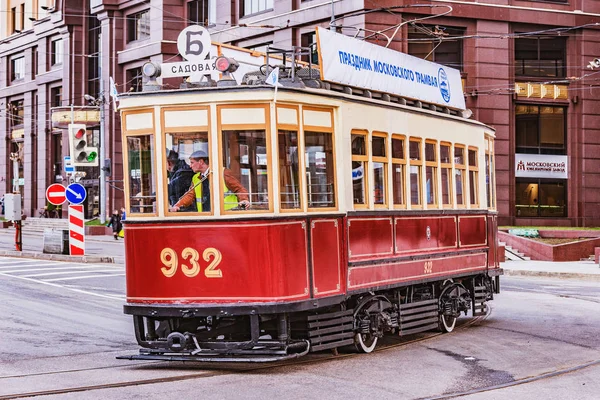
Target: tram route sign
193 43
76 193
55 194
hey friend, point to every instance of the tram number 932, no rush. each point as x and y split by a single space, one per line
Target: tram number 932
428 267
170 261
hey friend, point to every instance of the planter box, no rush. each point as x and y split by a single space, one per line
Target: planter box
98 230
560 252
5 224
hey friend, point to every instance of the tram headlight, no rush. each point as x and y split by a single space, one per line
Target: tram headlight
151 70
225 64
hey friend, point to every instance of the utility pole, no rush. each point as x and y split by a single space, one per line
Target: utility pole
331 24
102 151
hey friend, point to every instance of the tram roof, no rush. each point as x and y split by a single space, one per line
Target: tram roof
335 93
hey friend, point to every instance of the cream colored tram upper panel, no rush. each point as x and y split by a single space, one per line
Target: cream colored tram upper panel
350 112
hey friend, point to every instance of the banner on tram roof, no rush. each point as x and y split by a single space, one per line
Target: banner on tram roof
357 63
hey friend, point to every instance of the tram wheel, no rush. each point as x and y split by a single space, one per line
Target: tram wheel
365 342
447 323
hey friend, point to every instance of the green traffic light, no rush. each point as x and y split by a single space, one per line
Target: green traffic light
92 156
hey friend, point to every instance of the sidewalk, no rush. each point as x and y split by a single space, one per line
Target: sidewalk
98 249
587 270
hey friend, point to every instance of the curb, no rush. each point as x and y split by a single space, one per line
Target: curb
56 257
560 275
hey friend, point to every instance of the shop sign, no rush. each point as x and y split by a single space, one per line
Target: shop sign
541 166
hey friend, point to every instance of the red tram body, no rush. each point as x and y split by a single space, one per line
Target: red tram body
325 266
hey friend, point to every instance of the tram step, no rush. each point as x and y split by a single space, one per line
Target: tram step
418 317
331 330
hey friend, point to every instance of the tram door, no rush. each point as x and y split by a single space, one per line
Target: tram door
328 274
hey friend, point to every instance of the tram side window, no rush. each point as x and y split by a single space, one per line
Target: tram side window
489 174
180 174
431 173
446 172
379 149
318 153
459 175
289 183
141 173
245 156
359 167
398 170
416 167
473 177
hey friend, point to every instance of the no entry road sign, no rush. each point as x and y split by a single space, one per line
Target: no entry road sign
55 194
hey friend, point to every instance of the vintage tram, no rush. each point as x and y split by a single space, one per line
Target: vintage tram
369 214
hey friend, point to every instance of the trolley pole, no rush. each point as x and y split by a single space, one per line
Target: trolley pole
102 203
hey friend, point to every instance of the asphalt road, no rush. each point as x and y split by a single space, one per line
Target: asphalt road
63 328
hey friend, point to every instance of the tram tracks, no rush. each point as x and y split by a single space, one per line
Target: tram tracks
229 369
224 369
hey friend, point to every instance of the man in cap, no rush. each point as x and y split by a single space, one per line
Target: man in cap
180 178
199 191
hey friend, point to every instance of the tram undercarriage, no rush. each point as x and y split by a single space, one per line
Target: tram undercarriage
359 321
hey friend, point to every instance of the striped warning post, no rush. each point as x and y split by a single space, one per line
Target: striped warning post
76 230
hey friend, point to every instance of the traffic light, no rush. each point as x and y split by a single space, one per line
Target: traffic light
82 155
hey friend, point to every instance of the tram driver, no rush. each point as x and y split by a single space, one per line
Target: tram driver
199 191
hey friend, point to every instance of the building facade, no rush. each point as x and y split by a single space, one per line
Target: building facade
523 64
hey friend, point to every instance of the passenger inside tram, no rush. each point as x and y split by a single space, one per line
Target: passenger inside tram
199 191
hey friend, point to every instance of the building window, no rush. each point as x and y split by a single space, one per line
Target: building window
15 114
95 30
34 61
310 40
541 198
540 56
249 7
56 96
202 12
435 43
138 26
17 68
540 130
57 52
13 20
135 80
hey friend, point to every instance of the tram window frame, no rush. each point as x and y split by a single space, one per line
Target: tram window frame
132 132
283 125
473 162
490 178
330 170
460 169
431 164
364 159
446 166
247 127
378 157
181 130
399 161
418 164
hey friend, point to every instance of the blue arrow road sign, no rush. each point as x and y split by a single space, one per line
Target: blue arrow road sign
75 193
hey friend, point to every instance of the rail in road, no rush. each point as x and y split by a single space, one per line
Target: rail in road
167 374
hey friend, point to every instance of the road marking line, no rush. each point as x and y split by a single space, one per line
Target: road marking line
120 299
82 277
66 273
57 268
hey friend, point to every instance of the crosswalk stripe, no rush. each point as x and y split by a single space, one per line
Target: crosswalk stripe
66 273
78 268
81 277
